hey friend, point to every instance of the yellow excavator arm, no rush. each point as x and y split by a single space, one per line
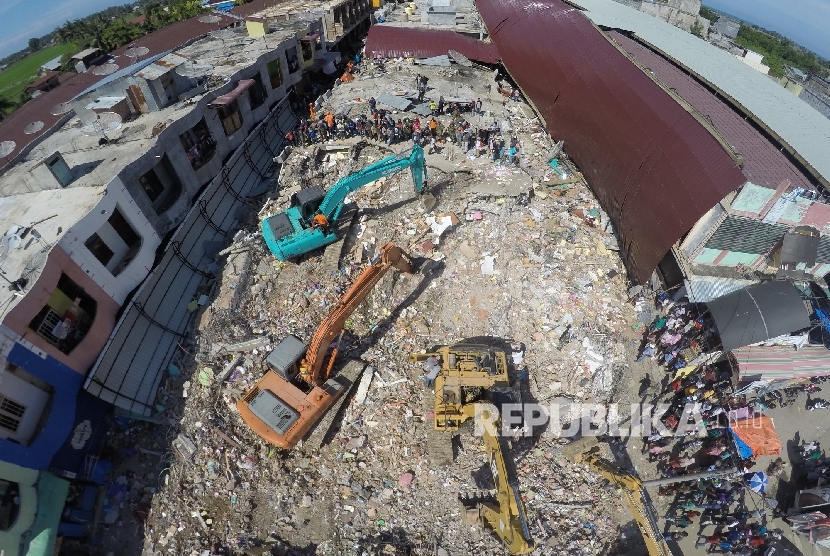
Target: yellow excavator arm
505 515
635 495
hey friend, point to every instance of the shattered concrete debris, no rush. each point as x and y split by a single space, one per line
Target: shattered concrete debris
509 252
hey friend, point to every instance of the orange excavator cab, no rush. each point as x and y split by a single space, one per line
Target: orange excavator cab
298 389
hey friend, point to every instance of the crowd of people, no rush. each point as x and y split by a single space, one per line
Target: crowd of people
446 125
676 339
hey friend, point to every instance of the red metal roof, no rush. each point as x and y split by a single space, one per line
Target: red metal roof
764 164
43 80
387 41
654 168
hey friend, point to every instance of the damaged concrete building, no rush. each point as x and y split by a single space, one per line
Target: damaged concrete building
114 161
683 14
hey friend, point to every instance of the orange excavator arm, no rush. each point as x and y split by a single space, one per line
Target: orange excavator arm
332 325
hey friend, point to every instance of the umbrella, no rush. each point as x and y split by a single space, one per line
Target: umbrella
758 482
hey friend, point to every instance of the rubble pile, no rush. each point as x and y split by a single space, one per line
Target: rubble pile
518 253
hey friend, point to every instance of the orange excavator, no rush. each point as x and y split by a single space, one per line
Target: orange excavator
298 390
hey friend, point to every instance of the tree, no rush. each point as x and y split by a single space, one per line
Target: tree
711 15
120 33
6 106
697 29
34 44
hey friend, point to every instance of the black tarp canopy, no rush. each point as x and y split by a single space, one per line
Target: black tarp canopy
757 313
800 248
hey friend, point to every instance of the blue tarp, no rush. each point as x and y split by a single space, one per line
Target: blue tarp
824 317
743 448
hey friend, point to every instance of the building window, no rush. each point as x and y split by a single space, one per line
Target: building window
257 92
115 244
275 73
162 185
9 504
307 50
230 117
198 144
169 87
11 413
67 316
99 249
293 62
151 184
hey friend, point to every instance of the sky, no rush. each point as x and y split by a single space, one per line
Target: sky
805 22
21 20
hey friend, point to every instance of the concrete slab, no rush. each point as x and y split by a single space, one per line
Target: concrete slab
396 102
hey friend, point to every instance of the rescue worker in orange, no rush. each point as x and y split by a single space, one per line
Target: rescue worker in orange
311 111
320 221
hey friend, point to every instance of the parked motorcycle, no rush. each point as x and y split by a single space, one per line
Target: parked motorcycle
817 403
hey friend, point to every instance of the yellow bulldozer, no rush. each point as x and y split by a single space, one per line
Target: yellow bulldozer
464 375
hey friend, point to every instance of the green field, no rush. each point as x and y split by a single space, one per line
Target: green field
15 78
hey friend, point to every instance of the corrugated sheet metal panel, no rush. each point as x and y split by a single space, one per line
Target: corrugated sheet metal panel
653 167
387 41
823 255
763 163
746 236
702 289
130 368
797 123
777 362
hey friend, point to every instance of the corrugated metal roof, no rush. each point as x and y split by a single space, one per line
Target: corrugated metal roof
84 53
43 80
763 164
823 255
798 124
131 366
388 41
701 289
129 70
758 313
654 168
746 236
161 66
777 362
